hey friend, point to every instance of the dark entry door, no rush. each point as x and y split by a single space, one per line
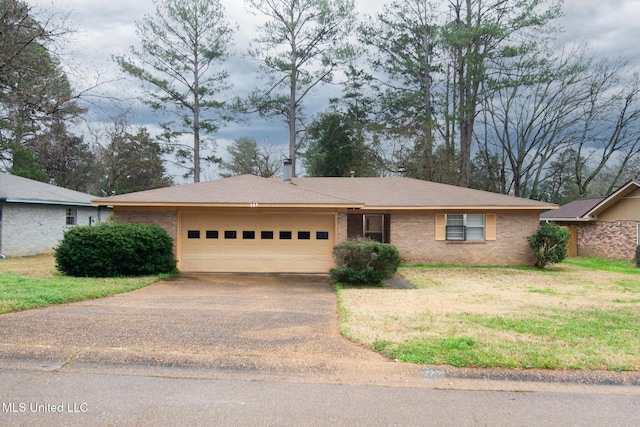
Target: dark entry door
374 227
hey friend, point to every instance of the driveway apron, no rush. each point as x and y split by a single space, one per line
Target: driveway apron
191 319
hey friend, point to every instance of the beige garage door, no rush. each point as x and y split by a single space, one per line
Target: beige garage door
291 243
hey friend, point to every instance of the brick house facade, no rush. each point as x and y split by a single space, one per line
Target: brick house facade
413 234
608 240
252 224
612 240
163 218
30 229
606 227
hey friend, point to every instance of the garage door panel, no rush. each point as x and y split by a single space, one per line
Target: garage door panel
257 254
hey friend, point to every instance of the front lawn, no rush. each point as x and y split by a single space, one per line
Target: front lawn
29 282
581 314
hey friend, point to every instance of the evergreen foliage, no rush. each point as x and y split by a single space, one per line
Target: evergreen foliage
335 151
115 249
183 48
365 262
428 85
248 157
302 45
549 244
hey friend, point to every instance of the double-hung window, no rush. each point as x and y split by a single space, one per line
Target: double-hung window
72 215
465 227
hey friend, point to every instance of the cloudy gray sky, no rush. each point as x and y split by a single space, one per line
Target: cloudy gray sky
106 28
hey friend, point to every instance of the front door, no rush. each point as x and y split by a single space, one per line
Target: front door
373 226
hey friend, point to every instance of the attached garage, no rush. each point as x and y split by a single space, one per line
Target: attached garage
249 224
257 243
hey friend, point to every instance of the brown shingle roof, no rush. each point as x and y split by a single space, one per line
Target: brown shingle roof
236 190
408 192
589 209
344 192
573 210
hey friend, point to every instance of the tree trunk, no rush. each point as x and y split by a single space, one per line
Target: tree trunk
293 82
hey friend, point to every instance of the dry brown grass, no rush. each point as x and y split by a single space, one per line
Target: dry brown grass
445 297
42 266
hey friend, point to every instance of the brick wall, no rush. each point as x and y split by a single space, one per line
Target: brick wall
31 229
342 227
610 240
354 226
165 219
414 236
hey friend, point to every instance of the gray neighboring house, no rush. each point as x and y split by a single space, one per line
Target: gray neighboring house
35 215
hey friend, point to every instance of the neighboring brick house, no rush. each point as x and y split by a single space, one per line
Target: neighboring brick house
251 224
605 227
35 215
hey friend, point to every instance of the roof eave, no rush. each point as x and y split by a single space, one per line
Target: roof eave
46 202
459 207
231 205
567 219
612 198
360 206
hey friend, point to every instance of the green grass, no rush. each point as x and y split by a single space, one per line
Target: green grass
468 267
18 292
558 339
626 301
585 320
629 285
616 266
550 292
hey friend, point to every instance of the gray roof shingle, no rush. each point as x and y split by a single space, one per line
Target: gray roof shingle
242 189
22 190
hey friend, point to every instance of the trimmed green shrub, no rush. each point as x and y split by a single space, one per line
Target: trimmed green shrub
549 244
364 262
637 256
115 249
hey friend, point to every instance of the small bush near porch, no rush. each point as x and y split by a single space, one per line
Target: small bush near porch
579 314
364 262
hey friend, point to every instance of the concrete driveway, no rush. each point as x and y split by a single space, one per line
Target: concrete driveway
232 327
226 323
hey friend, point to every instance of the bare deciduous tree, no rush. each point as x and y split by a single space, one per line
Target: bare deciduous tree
248 157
